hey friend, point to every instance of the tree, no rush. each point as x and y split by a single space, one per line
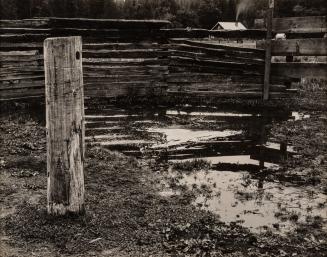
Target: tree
95 8
165 9
202 13
24 9
40 8
111 10
209 13
8 9
186 18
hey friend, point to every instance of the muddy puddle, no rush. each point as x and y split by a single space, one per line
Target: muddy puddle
190 133
256 204
235 145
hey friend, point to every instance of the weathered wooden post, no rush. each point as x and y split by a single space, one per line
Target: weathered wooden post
65 124
266 85
288 83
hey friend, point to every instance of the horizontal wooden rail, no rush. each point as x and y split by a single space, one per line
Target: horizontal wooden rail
139 53
19 53
106 23
309 24
13 46
21 93
297 47
92 78
244 66
26 23
121 46
300 70
21 38
4 30
222 87
215 94
106 33
202 33
217 46
221 54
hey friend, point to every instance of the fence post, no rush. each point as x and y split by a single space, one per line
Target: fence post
266 85
288 83
65 125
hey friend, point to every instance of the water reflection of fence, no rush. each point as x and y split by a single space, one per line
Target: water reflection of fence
218 152
141 58
227 139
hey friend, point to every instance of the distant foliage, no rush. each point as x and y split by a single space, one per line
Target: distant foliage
182 13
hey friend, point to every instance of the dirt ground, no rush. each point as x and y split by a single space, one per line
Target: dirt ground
125 216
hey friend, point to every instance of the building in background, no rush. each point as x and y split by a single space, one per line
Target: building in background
229 26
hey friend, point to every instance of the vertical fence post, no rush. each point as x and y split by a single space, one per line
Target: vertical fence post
266 85
288 83
65 124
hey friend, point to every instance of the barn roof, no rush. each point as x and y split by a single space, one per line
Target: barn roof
230 25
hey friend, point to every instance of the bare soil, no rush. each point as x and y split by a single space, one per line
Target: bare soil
125 216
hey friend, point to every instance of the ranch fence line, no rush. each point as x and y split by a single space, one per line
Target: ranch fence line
147 58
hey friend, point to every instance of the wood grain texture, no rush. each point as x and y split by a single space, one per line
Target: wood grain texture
65 125
128 56
106 23
21 38
26 23
203 33
297 47
139 53
309 24
266 82
300 70
216 94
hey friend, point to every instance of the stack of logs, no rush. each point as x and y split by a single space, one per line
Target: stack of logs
120 57
205 68
120 69
21 58
145 58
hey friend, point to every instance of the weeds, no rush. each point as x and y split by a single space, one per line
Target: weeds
196 164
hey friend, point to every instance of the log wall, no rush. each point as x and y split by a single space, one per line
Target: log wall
120 57
146 58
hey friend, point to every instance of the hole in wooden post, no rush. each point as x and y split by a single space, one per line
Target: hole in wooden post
78 55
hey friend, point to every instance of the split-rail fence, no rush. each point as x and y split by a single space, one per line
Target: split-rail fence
147 58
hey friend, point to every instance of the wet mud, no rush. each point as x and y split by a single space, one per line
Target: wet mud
237 183
162 181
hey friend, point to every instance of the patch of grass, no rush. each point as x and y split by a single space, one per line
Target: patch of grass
123 210
196 164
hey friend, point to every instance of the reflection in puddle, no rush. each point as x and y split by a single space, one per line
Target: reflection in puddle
277 146
217 114
125 142
234 159
236 145
235 197
109 116
188 133
177 136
